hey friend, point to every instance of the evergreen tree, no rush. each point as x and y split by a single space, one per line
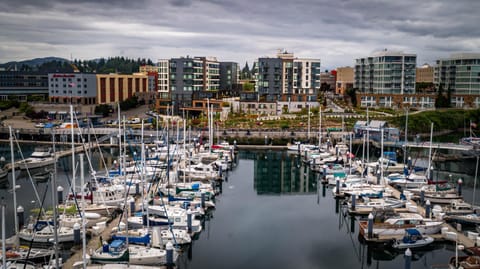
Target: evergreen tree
246 74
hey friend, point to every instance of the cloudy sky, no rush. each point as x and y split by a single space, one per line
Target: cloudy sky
336 31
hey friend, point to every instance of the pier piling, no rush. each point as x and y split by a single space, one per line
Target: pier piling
20 216
60 195
427 209
76 234
370 225
408 258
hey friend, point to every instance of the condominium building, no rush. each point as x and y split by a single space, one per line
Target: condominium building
189 75
460 73
113 88
345 80
72 88
384 78
229 77
286 75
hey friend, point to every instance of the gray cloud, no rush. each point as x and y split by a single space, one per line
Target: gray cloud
337 32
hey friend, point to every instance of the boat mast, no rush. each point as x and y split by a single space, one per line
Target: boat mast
54 199
320 127
368 138
429 171
4 245
84 240
406 139
475 182
73 151
14 182
308 130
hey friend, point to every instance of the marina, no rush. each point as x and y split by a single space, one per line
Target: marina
263 192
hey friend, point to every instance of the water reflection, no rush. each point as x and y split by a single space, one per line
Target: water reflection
277 172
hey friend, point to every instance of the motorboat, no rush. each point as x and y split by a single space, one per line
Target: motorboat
396 225
412 239
40 157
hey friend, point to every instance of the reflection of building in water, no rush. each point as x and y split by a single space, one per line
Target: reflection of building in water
276 172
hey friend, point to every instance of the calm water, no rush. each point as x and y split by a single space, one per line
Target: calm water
270 219
271 214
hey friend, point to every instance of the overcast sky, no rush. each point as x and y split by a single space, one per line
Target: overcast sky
335 31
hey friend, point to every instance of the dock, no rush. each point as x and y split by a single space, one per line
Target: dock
92 244
448 232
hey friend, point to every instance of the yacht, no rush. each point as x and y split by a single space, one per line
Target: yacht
396 225
40 157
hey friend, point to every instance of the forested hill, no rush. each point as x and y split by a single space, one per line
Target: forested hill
59 65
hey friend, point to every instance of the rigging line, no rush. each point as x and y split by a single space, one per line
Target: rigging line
28 171
69 182
34 227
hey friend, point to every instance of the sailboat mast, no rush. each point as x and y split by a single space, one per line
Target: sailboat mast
320 128
120 163
73 151
308 131
368 138
406 139
142 174
14 181
84 240
430 153
4 246
54 199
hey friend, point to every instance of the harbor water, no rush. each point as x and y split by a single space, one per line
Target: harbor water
272 213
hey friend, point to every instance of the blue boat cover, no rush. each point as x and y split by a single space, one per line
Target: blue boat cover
116 244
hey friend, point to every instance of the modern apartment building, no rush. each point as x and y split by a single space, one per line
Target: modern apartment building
72 88
113 88
190 75
385 79
286 75
229 77
22 85
460 73
345 79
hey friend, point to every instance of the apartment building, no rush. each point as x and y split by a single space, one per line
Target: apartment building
386 79
229 78
460 73
286 75
189 75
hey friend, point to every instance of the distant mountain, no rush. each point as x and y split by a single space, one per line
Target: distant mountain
31 63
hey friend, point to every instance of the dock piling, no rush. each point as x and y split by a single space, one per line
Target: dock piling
76 234
354 200
370 225
60 195
20 216
169 248
459 186
408 258
427 209
189 221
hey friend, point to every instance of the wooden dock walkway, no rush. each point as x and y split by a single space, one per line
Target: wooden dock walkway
92 244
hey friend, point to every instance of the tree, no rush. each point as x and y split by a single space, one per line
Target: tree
246 74
353 96
441 101
248 87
